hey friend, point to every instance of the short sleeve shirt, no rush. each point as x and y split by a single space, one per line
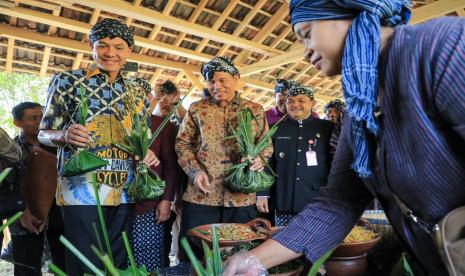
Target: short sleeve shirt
109 119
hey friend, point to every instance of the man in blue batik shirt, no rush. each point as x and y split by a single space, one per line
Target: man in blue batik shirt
109 118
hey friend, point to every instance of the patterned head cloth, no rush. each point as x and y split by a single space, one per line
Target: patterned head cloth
301 90
336 104
218 64
339 105
360 60
112 28
205 93
142 83
283 85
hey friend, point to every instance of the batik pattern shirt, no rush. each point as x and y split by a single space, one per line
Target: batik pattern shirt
9 150
201 144
109 118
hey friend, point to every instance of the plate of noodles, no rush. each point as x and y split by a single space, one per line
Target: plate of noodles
361 239
231 233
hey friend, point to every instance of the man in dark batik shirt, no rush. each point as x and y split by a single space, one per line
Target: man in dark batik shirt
109 118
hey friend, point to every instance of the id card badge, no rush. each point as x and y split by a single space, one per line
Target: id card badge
311 158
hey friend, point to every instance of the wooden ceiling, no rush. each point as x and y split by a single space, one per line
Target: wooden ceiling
173 39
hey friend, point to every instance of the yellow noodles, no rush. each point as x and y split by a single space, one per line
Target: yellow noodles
359 234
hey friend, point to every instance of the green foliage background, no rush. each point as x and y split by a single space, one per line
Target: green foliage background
16 88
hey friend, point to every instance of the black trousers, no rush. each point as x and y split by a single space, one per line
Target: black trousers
194 215
78 220
28 249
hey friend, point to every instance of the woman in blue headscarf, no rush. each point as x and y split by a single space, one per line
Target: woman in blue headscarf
403 134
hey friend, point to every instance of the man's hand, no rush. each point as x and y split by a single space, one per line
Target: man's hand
30 222
262 205
201 182
244 264
257 164
163 211
77 135
150 159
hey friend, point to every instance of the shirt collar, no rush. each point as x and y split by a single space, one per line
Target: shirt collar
304 121
94 70
236 100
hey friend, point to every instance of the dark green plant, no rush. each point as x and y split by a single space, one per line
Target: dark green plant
146 185
316 266
83 161
213 265
104 256
4 174
14 218
11 220
241 178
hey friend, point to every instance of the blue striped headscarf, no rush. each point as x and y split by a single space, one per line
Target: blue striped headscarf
360 61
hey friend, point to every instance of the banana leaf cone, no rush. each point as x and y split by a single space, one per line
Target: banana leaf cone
243 180
146 185
81 162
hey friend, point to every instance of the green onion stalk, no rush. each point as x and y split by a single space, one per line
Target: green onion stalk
4 174
146 185
241 178
16 216
83 161
314 270
11 220
213 264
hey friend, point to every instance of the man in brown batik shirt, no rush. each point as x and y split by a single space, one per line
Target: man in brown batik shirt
206 155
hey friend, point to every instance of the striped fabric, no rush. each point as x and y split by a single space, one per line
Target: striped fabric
421 156
360 60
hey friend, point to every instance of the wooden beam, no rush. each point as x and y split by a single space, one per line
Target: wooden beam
169 7
9 55
85 28
45 59
220 20
330 84
155 76
153 34
179 77
80 47
13 20
250 15
77 61
274 21
192 19
303 71
435 9
77 46
21 70
273 62
247 91
52 30
94 17
190 75
147 15
461 12
42 4
423 13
